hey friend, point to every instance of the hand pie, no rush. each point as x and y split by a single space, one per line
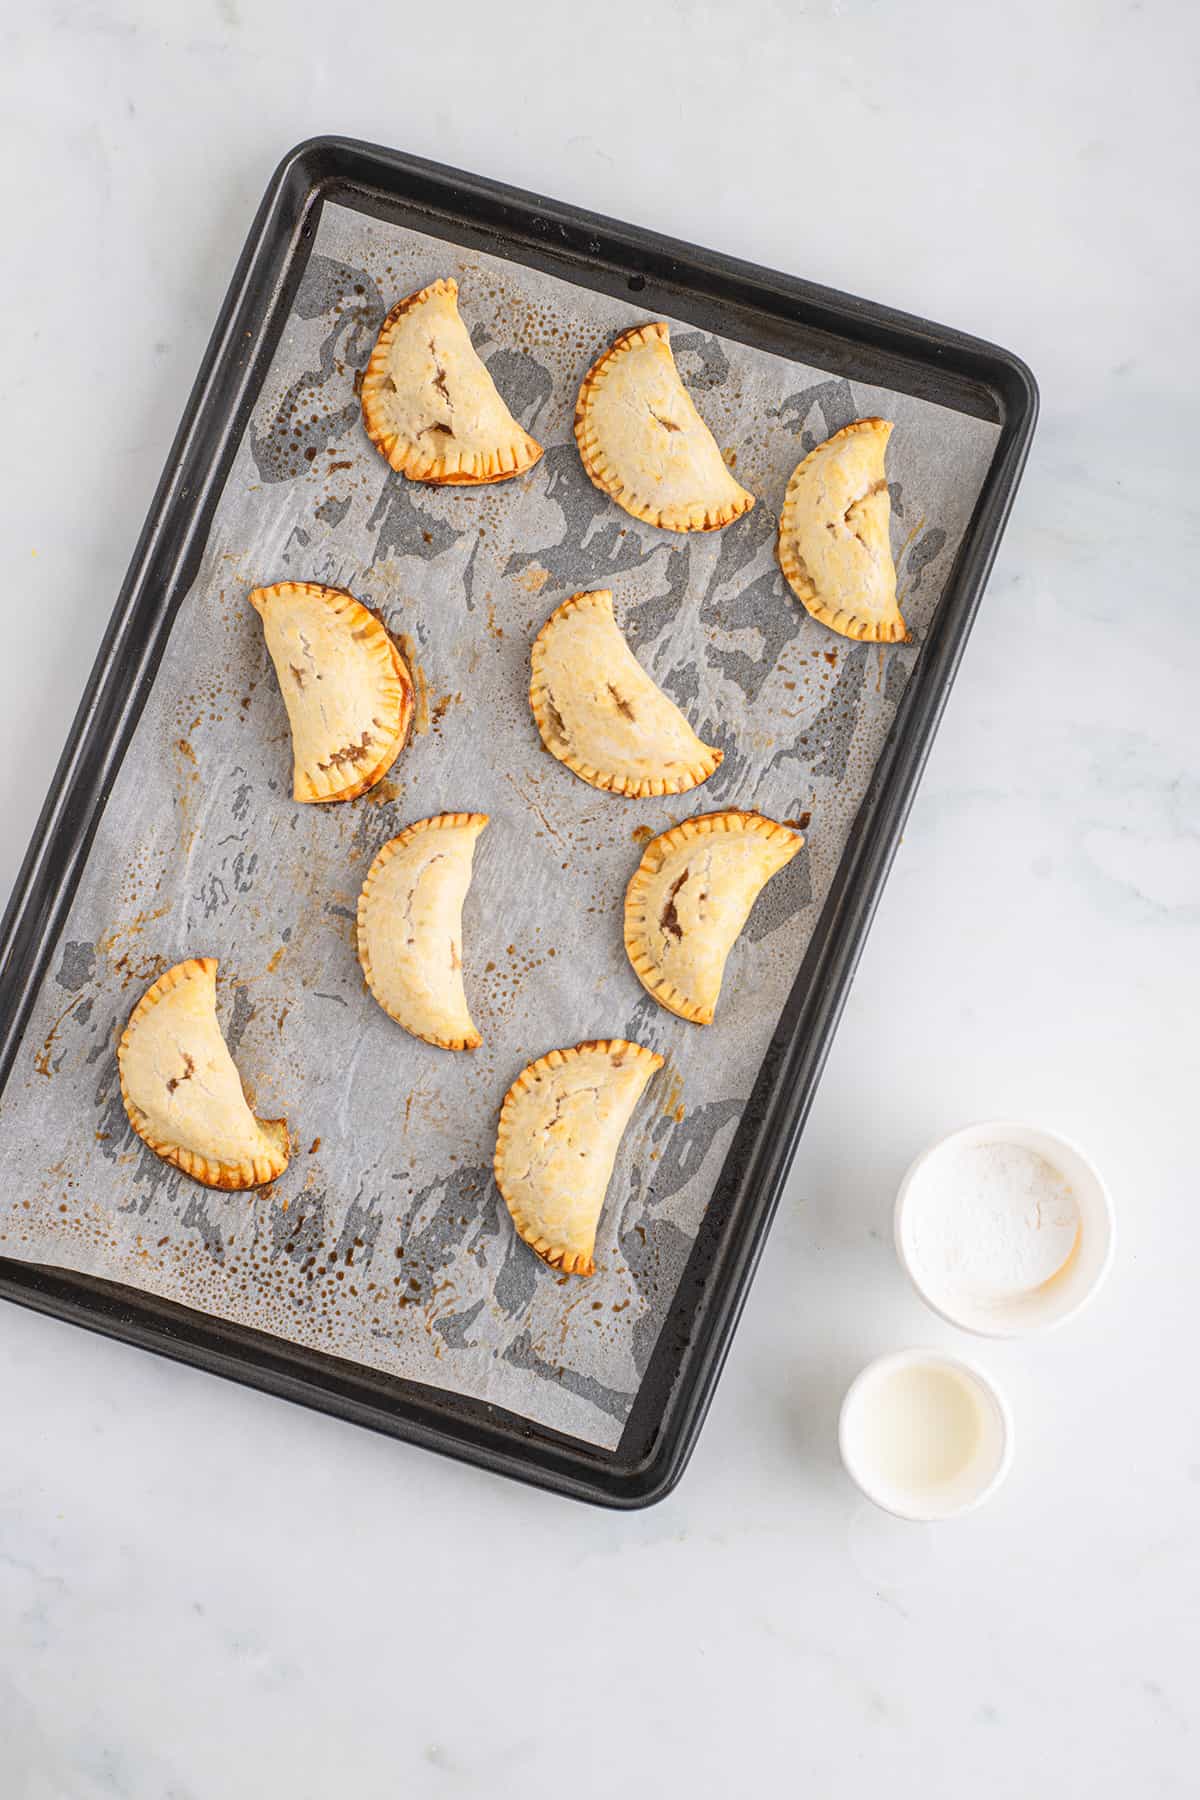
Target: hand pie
834 546
429 405
347 689
181 1088
600 713
644 443
560 1127
410 928
689 898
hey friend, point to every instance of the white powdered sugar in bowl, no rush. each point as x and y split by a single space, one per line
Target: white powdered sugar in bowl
1004 1228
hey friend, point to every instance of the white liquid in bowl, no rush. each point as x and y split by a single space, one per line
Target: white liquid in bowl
924 1435
919 1426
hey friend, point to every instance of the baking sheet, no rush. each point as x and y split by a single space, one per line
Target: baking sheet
385 1241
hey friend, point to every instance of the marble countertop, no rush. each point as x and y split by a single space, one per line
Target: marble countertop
208 1593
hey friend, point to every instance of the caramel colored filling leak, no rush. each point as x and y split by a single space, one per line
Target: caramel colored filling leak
189 1069
349 753
439 380
669 917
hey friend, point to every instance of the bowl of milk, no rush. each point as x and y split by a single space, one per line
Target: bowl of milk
925 1435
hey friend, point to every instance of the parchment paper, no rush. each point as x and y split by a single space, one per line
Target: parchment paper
385 1241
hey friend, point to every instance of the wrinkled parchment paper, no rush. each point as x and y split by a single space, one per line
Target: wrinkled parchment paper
386 1241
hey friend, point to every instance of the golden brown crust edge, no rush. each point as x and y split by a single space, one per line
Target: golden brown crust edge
627 786
591 455
439 822
404 458
555 1256
230 1177
304 790
848 625
657 850
376 775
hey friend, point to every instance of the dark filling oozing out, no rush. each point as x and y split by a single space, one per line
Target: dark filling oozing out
439 382
349 753
189 1069
669 917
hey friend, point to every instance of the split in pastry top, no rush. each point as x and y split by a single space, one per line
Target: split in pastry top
689 898
347 689
834 535
430 406
643 442
410 928
602 715
561 1125
182 1091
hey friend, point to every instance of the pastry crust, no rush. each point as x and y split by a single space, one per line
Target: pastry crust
429 405
602 715
834 543
181 1088
410 928
560 1127
347 689
644 443
689 898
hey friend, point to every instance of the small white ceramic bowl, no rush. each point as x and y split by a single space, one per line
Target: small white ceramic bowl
930 1455
996 1313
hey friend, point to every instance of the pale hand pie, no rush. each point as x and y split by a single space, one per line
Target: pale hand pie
181 1088
410 928
347 689
600 713
560 1127
644 443
834 543
429 405
690 896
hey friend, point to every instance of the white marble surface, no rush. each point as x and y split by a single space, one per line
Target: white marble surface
206 1593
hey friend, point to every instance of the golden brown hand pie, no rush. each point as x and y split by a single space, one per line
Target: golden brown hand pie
834 545
181 1088
561 1125
600 713
410 928
644 443
689 898
347 689
429 405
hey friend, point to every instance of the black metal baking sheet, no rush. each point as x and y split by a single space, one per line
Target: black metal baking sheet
793 318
